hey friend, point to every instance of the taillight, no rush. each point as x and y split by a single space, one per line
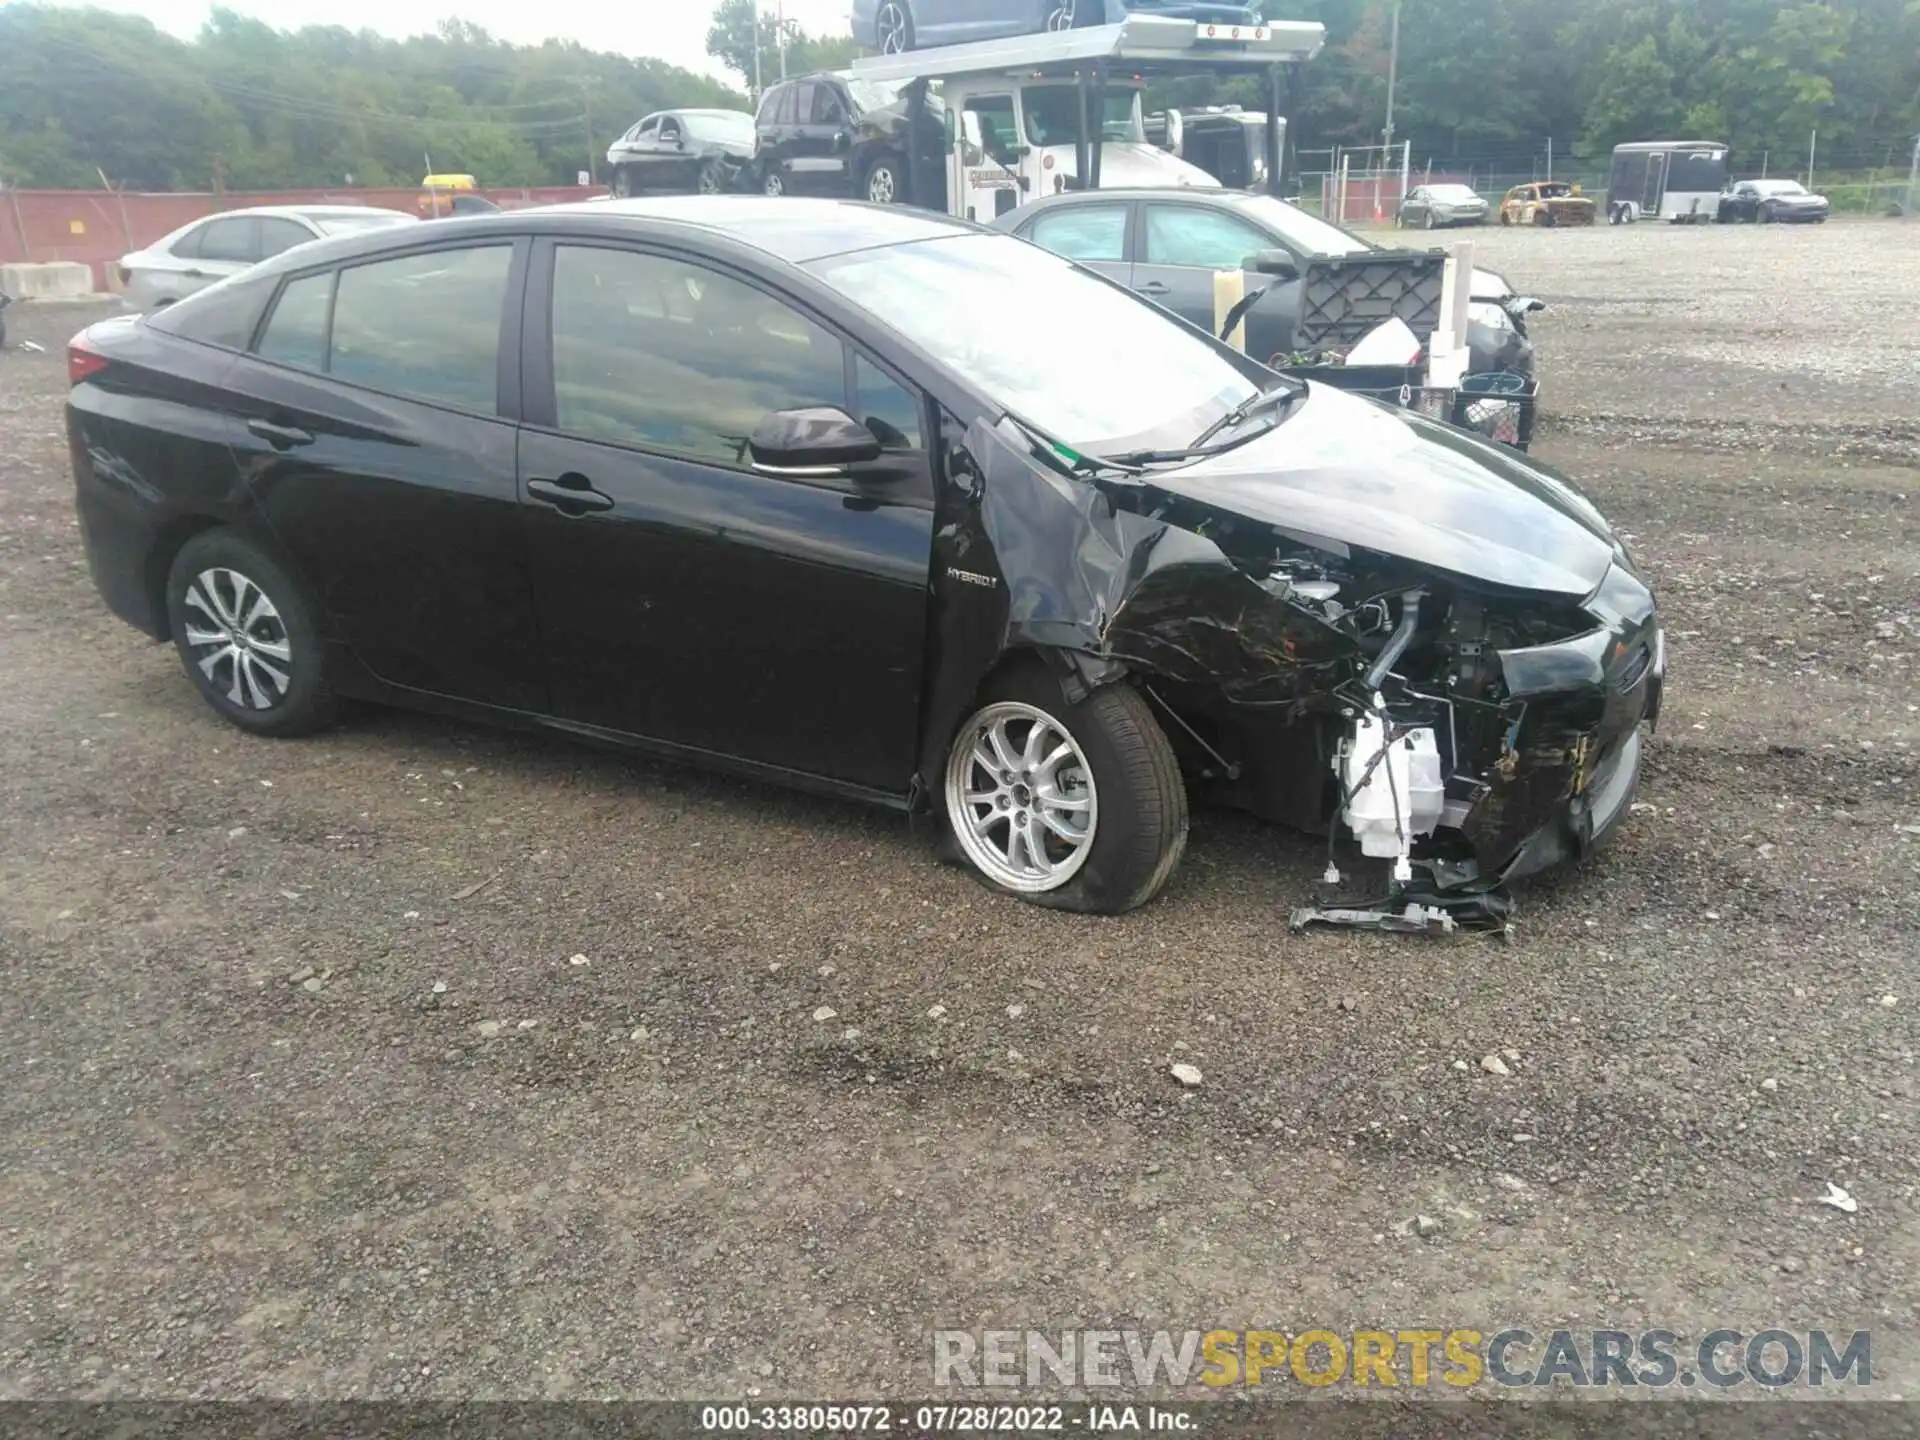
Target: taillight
82 363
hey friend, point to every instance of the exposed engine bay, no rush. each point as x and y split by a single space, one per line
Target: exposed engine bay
1445 733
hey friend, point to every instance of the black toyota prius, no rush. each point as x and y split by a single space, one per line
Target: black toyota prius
875 502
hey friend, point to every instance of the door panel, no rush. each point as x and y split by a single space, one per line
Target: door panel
395 497
708 605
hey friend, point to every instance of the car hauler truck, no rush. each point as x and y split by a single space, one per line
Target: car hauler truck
1028 116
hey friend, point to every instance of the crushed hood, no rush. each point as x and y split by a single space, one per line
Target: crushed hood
1344 471
1125 164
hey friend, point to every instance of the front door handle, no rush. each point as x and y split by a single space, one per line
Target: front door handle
1153 287
571 494
281 437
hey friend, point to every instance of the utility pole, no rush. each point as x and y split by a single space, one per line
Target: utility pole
1813 140
756 50
780 34
1913 177
586 106
1393 72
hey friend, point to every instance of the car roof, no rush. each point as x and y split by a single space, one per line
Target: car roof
788 228
317 210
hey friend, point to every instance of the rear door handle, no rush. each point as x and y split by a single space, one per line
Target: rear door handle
1153 287
281 437
571 494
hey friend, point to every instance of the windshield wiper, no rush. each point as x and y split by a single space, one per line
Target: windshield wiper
1261 400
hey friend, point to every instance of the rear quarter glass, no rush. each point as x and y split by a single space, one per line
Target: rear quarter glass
223 314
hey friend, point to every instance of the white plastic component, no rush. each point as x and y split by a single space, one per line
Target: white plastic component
1402 794
1391 342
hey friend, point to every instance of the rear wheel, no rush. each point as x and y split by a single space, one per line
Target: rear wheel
710 181
622 183
1766 215
773 184
1543 216
1430 221
1075 806
248 637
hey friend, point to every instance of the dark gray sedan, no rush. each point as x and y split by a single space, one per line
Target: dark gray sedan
1431 206
1166 244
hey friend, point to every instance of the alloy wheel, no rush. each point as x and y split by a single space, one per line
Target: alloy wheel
880 187
239 640
891 28
774 186
709 181
1021 797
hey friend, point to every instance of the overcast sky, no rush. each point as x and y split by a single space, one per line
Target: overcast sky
673 30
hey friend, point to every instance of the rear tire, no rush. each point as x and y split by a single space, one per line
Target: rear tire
773 184
622 186
1127 805
248 637
710 181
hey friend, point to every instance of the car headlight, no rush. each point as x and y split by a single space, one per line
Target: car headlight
1493 316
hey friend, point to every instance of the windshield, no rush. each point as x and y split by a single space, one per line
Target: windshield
1053 115
1092 365
1555 189
1452 192
371 219
1778 187
720 129
1302 232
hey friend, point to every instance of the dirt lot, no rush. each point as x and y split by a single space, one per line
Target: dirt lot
258 1143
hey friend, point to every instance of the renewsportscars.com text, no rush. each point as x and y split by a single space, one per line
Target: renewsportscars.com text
1455 1359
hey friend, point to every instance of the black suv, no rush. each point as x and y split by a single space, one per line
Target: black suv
844 136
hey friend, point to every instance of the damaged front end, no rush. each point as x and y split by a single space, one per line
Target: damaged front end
1427 649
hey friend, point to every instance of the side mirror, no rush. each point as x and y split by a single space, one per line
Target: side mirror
1277 263
821 440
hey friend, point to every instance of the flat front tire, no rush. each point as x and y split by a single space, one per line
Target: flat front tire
1074 806
247 636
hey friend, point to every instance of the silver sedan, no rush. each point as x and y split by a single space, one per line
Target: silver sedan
210 249
1431 206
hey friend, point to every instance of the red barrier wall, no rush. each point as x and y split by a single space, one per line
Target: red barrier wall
98 226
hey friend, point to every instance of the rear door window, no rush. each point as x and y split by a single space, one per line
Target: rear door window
423 326
236 238
277 234
1082 232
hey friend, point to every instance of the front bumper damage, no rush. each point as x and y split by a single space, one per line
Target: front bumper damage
1266 654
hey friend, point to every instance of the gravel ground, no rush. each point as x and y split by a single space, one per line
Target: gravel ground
424 1060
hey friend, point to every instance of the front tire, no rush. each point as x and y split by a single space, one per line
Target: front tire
622 183
1073 806
248 637
884 185
710 181
1431 223
773 184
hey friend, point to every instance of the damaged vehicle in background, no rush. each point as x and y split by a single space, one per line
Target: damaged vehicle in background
843 517
682 152
1167 244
